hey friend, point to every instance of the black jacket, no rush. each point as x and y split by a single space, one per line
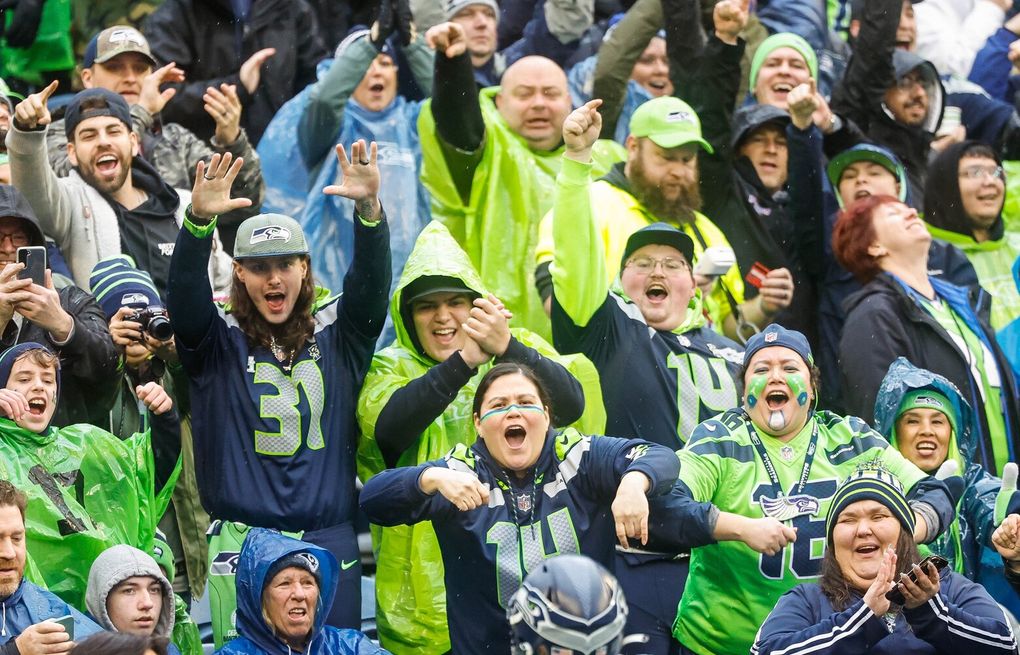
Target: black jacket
88 361
874 67
210 44
884 323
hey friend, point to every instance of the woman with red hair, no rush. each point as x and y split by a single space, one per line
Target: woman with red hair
902 311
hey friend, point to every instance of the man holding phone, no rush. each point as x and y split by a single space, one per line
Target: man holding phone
52 310
35 621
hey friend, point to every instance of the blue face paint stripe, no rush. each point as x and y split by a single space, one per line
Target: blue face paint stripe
504 410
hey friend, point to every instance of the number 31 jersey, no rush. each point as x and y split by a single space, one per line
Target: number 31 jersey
275 448
732 588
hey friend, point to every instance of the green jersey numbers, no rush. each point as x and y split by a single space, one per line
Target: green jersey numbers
282 406
521 548
704 388
804 556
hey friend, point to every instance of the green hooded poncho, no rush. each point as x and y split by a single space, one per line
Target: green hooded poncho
511 191
87 490
410 594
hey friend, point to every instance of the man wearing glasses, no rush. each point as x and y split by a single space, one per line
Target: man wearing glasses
963 206
661 367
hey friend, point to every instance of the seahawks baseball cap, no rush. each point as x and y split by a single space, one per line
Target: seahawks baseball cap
866 152
669 122
269 235
115 41
659 234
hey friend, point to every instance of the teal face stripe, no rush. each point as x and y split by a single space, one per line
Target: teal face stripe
504 410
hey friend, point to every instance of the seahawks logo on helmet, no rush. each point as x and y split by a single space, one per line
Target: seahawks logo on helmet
269 233
785 508
313 563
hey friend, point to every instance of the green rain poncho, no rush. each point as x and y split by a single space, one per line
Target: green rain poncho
87 490
410 594
511 191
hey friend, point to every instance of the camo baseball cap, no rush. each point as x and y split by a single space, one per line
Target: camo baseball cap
269 235
114 41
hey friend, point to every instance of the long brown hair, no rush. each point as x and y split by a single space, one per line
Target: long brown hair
292 334
835 585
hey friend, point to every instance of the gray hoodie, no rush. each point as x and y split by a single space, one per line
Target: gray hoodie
115 565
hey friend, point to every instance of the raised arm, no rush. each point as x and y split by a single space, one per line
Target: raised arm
30 169
367 282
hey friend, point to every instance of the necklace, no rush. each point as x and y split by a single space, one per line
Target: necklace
525 503
280 354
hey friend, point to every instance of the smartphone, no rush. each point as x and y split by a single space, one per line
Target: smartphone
34 259
894 595
68 623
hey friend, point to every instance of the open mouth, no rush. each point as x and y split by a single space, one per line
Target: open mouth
37 406
774 400
782 87
863 193
537 122
656 293
376 88
867 549
926 447
444 335
274 301
298 614
515 436
107 164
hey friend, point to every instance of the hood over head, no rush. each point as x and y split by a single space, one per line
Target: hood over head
943 204
13 204
901 380
903 63
436 254
115 565
750 117
261 550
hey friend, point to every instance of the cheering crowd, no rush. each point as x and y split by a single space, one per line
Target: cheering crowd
627 327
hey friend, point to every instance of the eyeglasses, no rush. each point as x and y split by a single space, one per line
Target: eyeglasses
670 265
18 239
979 172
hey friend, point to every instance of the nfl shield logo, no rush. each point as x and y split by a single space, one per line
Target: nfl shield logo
524 503
771 336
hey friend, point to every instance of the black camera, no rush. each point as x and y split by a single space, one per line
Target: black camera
153 320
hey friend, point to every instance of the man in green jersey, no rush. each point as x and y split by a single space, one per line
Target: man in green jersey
770 469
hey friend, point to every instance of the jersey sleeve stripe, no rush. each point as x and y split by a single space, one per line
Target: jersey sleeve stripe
855 447
827 639
971 632
723 448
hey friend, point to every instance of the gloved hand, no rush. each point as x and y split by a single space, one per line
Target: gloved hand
949 473
24 25
404 21
1007 501
384 25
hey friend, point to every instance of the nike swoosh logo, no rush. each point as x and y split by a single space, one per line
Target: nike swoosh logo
347 565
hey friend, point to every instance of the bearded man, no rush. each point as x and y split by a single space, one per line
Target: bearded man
659 182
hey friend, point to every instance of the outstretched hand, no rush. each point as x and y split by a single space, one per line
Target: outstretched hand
211 194
1006 538
448 38
360 179
581 129
32 112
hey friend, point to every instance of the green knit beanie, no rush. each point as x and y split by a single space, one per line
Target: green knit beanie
928 399
782 40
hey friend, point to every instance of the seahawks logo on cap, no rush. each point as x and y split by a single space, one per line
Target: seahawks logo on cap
134 298
127 35
313 563
269 233
679 116
929 401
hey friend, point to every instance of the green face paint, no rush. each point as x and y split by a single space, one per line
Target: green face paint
754 389
798 386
